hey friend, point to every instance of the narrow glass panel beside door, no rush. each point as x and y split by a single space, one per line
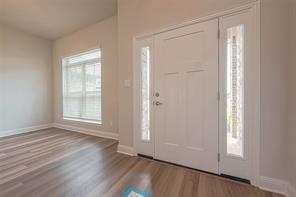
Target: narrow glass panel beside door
235 91
145 94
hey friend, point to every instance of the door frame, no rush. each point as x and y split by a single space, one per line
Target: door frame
255 6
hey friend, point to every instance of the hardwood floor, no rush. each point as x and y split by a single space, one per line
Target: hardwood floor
58 163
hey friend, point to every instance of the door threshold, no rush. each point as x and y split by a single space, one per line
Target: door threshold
146 156
237 179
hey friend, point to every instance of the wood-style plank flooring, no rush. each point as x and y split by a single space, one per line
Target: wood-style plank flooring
58 163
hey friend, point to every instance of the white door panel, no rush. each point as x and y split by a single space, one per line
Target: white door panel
186 78
195 109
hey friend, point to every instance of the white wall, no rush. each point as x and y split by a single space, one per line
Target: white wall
104 35
25 80
292 97
137 17
274 62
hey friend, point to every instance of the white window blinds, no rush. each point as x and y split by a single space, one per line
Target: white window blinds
82 86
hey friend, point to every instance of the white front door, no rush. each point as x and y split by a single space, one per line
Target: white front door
185 96
180 93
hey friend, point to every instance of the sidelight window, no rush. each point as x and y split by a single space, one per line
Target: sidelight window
145 93
235 90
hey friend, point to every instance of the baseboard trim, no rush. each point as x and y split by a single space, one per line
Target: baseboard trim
291 191
273 185
25 130
92 132
127 150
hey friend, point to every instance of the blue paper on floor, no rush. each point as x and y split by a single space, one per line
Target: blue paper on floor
134 192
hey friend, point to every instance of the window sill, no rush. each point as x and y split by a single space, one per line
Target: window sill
84 121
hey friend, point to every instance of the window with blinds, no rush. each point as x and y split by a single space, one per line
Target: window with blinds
82 87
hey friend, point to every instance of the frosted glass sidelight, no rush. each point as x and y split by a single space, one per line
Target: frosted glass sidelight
145 93
235 91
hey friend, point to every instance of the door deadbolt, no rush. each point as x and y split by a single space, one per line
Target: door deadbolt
157 103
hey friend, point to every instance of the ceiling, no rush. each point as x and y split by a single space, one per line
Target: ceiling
52 19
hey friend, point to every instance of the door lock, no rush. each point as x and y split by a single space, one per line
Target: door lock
157 103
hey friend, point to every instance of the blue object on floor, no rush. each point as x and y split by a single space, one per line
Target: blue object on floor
134 192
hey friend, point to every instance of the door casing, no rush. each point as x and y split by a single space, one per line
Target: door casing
255 7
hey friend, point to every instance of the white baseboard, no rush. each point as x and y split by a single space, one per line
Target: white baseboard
97 133
127 150
24 130
273 185
291 191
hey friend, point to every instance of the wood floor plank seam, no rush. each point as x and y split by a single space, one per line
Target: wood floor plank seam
42 163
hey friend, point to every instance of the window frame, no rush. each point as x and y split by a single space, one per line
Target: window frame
82 65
